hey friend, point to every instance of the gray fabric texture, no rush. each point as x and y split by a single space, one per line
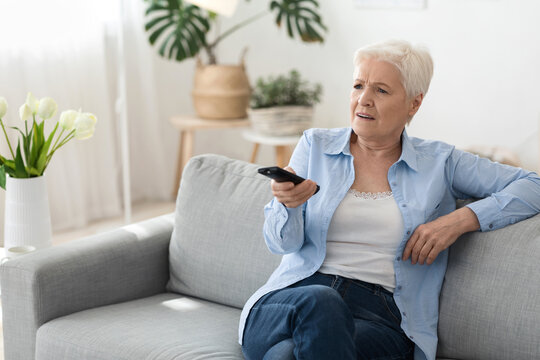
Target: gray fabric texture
121 265
161 327
489 304
217 249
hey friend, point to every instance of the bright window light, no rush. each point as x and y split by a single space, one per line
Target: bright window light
28 25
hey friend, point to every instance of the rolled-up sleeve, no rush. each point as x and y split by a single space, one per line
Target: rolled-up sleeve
508 194
283 228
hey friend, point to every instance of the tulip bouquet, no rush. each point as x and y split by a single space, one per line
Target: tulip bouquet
34 151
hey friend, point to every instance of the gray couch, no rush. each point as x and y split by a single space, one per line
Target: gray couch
172 287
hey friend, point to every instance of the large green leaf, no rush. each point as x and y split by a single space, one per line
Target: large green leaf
179 28
301 18
42 157
20 170
2 177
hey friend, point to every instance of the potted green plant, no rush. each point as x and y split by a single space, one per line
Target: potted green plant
180 29
283 105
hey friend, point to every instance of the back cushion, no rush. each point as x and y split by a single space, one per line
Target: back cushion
217 250
489 305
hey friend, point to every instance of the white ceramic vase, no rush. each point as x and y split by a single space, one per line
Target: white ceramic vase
27 215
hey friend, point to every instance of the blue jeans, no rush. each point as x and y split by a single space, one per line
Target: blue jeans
326 317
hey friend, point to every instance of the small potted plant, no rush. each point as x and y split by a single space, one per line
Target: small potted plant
283 105
180 30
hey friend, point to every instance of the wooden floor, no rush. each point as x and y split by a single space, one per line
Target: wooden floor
140 212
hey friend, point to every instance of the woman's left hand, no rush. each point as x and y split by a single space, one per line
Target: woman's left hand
429 239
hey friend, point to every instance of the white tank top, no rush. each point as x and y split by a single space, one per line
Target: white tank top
363 238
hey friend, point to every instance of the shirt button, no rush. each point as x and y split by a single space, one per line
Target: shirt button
404 313
399 287
398 258
409 232
491 226
412 337
403 205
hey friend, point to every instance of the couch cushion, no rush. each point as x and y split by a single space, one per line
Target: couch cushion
217 250
489 305
165 326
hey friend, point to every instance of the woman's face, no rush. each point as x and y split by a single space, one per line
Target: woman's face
380 108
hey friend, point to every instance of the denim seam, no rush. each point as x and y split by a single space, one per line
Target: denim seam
374 291
398 321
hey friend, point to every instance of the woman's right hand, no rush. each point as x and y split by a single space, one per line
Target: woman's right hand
292 195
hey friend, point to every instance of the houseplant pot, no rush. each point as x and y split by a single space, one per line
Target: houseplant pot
281 120
27 217
283 105
220 92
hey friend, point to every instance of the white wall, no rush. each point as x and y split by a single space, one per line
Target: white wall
484 91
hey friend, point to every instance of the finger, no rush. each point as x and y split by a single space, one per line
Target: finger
281 186
415 253
289 169
410 245
435 251
297 196
426 249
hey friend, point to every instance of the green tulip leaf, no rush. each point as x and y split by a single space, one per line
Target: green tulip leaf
8 164
43 154
185 27
2 177
301 13
20 169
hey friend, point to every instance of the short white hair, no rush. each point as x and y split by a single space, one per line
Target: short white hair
413 62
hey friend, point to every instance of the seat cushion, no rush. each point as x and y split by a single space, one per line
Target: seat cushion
217 249
489 307
166 326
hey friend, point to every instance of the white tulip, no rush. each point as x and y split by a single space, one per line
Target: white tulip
3 107
25 112
32 103
67 119
47 108
85 125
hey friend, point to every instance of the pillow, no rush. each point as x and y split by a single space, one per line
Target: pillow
217 250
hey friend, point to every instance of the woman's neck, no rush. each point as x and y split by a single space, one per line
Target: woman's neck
388 149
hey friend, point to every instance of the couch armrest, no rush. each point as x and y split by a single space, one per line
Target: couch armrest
124 264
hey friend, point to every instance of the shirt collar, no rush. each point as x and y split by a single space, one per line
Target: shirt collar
408 153
340 143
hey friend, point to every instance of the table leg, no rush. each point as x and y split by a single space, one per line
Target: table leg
282 159
254 153
179 165
185 153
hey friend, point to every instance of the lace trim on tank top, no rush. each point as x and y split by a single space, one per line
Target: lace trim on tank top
371 195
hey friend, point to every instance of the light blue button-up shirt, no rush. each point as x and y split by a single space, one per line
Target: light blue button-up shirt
425 181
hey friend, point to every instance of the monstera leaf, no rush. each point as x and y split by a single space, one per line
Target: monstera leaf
181 28
301 14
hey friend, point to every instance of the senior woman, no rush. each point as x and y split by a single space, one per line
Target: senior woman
365 257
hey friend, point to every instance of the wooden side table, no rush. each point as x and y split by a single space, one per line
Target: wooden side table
187 125
281 143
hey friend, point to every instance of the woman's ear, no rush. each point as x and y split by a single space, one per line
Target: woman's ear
415 104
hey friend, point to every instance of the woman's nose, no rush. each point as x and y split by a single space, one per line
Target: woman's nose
366 98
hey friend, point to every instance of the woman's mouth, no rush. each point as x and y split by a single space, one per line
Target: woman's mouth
365 116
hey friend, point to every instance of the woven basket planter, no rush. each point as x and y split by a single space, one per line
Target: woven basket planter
221 91
281 120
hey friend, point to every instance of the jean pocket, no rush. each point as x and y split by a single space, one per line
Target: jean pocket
392 308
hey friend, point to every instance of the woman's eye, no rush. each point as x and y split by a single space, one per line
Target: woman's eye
382 91
358 86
